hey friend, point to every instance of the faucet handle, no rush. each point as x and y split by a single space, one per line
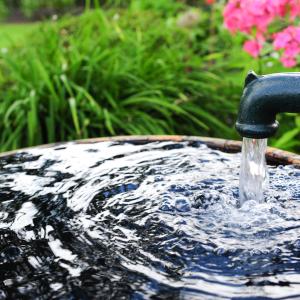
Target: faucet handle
251 77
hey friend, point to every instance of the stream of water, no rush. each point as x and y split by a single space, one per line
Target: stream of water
144 221
254 177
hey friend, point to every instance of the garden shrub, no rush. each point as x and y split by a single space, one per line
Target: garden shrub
130 71
113 73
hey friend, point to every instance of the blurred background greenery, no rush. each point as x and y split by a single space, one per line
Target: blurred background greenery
77 69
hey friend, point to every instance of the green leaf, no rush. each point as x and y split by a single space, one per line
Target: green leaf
74 112
286 138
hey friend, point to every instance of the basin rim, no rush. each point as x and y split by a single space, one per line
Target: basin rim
273 155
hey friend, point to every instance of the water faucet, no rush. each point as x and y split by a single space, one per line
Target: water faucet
263 98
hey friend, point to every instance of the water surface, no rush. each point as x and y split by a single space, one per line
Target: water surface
153 221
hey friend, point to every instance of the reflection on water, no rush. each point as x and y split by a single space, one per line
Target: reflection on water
159 221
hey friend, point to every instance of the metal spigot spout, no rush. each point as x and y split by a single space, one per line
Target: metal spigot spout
263 98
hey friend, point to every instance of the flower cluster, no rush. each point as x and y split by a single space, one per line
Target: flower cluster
253 18
289 40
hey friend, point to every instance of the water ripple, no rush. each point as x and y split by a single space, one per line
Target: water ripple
153 221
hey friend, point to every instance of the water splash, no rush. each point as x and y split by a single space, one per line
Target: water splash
254 177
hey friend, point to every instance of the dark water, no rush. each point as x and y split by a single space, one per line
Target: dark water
155 221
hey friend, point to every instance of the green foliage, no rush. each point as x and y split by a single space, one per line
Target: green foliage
129 71
111 73
29 7
3 10
166 7
35 8
11 34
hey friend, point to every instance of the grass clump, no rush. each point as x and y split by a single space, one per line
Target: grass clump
10 34
113 73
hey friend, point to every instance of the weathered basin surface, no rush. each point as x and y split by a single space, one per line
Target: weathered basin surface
145 217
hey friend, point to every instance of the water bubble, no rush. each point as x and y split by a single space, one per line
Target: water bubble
182 205
158 178
255 252
297 244
276 251
187 193
220 251
167 207
177 188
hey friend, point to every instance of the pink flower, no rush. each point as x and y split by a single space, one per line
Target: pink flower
281 39
288 40
249 15
288 62
294 8
253 47
253 17
246 15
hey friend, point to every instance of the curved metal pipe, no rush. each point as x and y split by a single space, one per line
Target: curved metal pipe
263 98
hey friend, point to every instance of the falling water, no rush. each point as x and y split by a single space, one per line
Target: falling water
253 173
